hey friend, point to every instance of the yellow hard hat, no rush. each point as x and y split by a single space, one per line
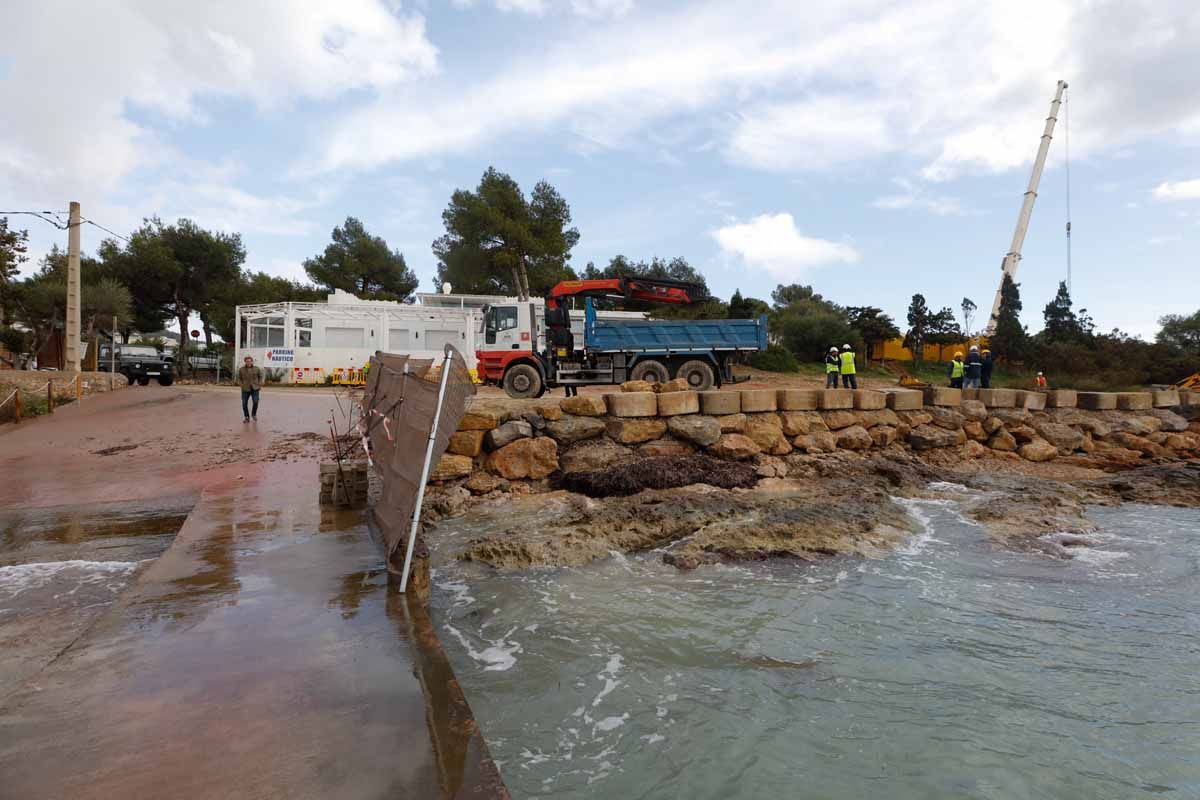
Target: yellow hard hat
958 354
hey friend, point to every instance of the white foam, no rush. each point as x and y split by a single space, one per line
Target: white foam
1090 555
654 738
498 656
20 578
611 723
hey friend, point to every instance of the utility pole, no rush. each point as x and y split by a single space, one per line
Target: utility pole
74 318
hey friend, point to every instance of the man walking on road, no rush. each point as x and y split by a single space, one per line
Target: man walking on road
251 379
849 379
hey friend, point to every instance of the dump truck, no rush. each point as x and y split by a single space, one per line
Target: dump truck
526 360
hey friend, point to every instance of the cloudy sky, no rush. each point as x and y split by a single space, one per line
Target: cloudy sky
872 149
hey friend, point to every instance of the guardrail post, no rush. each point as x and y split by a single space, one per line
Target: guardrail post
49 397
17 407
78 388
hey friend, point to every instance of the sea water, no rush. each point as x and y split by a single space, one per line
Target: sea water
952 667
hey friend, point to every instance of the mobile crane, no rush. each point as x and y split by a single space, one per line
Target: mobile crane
526 357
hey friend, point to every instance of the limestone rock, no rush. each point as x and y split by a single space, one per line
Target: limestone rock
1011 416
485 483
479 421
1037 450
1061 398
1133 442
836 420
942 396
797 399
535 420
884 416
1165 398
575 429
758 400
883 435
854 438
914 418
674 402
946 418
998 398
1171 422
974 449
1096 401
974 409
551 413
770 466
637 386
666 446
830 399
451 466
1087 421
1061 436
869 400
1132 423
974 430
675 385
928 437
1003 441
525 458
905 400
991 425
1032 401
507 433
720 403
585 405
1023 433
593 455
732 423
815 442
766 431
1135 401
701 430
635 430
632 404
735 446
798 422
466 443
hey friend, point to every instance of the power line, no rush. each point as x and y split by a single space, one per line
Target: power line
106 230
39 215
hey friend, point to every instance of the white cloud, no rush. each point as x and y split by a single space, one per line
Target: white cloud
816 134
912 195
1178 190
1159 241
772 243
593 9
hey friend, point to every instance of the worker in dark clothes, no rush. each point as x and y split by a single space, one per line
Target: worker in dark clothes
956 371
985 372
973 369
833 368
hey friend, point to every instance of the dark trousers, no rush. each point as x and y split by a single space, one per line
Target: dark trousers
831 379
985 380
956 383
849 382
246 395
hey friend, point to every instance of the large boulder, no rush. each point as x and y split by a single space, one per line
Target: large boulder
929 437
696 428
854 438
1037 450
632 404
1138 425
1090 422
883 435
735 446
797 399
1132 441
1023 433
571 429
480 420
905 400
1003 441
674 403
717 403
450 467
1061 436
884 416
836 420
759 400
732 423
585 405
666 447
552 413
815 442
485 483
766 431
991 425
914 418
974 430
525 458
974 409
974 450
947 418
466 443
637 386
675 385
593 455
507 433
1171 422
1011 416
797 422
636 430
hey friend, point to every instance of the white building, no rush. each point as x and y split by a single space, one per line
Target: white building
310 342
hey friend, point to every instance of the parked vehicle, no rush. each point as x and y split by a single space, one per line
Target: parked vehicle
137 362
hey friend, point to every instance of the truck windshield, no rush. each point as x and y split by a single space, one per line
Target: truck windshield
506 318
139 352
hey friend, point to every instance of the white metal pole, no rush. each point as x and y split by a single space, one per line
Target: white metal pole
437 416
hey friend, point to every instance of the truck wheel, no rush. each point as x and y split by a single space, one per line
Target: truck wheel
143 381
166 380
698 374
522 381
650 371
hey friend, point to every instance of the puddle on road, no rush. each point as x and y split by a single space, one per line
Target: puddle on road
61 567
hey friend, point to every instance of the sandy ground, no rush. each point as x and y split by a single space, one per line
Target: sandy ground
263 654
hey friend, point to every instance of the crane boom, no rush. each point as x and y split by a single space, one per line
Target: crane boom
1013 258
654 290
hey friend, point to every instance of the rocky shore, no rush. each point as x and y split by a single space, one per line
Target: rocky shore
802 473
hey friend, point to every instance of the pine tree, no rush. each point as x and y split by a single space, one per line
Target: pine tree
918 327
1061 323
1010 341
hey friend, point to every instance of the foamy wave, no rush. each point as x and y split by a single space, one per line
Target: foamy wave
498 656
23 577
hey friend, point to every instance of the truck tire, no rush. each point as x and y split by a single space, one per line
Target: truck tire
522 381
650 371
698 374
166 380
143 381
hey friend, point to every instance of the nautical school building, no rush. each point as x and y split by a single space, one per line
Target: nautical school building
332 341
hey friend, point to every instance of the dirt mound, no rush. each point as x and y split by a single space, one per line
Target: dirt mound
663 472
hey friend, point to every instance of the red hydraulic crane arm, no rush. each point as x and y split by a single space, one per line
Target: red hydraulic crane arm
652 290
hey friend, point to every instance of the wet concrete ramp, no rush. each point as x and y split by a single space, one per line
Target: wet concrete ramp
262 655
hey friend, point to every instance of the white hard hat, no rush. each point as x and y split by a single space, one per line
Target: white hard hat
847 347
833 349
974 347
1039 373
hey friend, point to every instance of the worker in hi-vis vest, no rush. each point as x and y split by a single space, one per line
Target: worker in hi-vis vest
849 381
833 368
957 369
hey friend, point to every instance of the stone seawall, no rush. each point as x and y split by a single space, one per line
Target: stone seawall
505 450
31 381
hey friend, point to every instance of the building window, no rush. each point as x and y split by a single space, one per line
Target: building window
344 337
398 340
303 332
266 332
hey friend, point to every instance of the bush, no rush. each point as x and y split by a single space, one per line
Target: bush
775 359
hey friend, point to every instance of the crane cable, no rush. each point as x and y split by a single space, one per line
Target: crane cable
1067 137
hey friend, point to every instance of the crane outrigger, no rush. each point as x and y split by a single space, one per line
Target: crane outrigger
1013 258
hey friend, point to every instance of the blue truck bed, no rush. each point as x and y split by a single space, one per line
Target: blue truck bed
671 335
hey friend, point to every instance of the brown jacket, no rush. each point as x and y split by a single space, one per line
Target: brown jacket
250 377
